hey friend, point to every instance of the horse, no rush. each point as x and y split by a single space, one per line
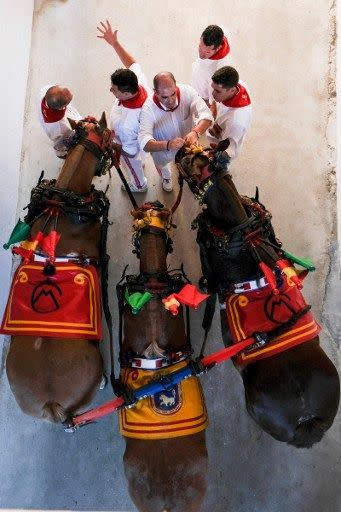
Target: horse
51 376
164 473
292 394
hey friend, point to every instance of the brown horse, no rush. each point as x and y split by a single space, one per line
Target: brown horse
164 473
54 377
292 395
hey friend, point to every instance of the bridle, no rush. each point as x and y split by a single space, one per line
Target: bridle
152 218
100 145
215 168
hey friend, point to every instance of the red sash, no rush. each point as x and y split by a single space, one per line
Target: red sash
261 311
157 102
222 52
241 99
65 305
137 101
51 115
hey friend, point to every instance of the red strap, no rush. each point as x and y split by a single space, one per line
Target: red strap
98 412
226 353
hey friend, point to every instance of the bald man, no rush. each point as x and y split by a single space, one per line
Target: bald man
175 115
54 107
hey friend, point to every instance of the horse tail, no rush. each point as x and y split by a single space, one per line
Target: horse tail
309 431
53 411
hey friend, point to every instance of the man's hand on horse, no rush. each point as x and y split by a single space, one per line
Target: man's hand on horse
191 138
107 33
215 131
175 144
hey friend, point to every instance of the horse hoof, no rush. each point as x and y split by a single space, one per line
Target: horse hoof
104 382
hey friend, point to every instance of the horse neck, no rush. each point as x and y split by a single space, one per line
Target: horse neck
153 253
234 213
78 170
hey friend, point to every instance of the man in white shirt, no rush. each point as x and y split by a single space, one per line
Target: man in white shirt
54 107
213 53
129 86
232 107
175 115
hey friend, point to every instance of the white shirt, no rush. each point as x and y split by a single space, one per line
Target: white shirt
234 123
158 124
203 69
125 121
60 130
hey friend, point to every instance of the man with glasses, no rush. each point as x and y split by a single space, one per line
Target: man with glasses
129 86
175 115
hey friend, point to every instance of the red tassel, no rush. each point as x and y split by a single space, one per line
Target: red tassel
268 274
283 264
49 244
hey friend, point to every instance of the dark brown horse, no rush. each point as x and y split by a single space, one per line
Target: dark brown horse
164 473
54 377
292 395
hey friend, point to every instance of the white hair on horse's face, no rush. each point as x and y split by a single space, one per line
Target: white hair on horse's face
153 350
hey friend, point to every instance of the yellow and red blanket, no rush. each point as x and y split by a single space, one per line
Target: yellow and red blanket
66 305
178 411
261 311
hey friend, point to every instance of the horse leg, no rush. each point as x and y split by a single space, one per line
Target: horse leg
167 475
53 378
294 395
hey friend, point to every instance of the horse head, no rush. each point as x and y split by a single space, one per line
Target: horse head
206 172
151 240
91 153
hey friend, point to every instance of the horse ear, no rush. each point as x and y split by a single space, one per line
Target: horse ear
103 122
72 123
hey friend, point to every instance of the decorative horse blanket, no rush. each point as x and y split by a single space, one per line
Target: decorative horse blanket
174 412
66 304
260 311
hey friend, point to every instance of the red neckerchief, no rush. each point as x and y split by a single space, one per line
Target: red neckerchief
156 101
222 52
51 115
137 101
241 99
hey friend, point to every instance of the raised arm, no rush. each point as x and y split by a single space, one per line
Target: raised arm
110 37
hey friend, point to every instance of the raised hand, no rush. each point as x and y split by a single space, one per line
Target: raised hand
107 33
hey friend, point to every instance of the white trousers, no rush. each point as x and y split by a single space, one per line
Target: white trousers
135 167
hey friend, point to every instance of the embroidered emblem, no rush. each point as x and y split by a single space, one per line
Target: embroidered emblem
168 401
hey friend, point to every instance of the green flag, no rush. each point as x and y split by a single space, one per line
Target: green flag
137 300
20 232
304 262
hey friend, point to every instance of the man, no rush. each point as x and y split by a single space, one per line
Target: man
232 108
167 122
213 54
54 107
129 86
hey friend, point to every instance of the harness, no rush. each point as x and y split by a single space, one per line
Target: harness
78 208
47 199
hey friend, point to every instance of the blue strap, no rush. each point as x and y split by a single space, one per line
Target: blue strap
164 383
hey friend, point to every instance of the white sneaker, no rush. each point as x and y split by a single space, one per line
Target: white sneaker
134 188
167 184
